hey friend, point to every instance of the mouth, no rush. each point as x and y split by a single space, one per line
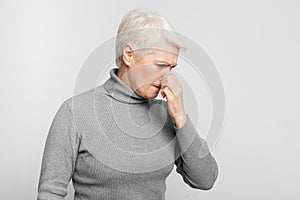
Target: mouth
158 86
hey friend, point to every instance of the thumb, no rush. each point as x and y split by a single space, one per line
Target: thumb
162 93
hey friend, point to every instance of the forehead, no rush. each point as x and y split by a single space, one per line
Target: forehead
170 56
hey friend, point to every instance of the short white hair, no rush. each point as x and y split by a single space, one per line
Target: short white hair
142 28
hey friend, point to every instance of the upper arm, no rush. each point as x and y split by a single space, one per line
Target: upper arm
59 157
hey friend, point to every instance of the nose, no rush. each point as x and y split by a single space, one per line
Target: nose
165 72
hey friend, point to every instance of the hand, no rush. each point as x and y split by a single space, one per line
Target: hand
172 89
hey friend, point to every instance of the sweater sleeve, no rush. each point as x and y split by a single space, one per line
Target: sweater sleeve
59 156
196 165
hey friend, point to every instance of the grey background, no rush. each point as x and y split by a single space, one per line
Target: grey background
254 44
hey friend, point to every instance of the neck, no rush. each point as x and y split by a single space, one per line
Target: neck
121 91
123 70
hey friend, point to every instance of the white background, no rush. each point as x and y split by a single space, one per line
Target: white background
254 45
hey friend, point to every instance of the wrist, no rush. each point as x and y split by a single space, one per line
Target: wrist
181 120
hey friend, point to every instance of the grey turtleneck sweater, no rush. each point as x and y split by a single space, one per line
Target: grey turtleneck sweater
117 145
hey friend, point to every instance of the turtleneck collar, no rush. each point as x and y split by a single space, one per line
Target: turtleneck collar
120 91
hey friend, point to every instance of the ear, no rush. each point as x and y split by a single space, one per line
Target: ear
128 54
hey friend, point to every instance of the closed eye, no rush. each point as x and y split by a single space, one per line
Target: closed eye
164 65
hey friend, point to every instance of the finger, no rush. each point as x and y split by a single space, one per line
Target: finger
173 86
169 94
175 80
165 81
169 82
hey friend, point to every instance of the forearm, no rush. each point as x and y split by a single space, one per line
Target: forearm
196 164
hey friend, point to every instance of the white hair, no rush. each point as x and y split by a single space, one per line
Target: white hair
142 29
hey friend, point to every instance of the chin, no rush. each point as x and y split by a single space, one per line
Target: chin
149 93
152 96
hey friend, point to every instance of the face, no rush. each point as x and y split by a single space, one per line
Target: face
145 73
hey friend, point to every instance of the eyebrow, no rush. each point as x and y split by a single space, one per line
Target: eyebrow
166 63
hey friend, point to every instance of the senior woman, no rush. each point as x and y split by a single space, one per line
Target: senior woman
77 147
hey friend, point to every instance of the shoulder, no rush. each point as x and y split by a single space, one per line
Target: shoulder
84 99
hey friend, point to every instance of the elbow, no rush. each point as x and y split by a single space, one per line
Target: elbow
208 182
207 186
202 184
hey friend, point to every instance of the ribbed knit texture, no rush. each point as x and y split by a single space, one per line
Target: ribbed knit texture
109 160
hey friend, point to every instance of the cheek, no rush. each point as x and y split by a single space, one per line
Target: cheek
147 76
153 73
